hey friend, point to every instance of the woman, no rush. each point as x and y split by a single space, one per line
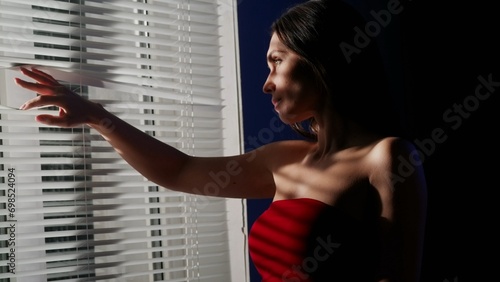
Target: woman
349 201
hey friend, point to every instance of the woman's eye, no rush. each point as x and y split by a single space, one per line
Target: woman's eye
277 61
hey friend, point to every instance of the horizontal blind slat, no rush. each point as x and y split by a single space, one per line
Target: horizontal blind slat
118 53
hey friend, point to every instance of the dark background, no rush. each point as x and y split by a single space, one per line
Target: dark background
436 52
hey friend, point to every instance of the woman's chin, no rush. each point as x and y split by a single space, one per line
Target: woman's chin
288 118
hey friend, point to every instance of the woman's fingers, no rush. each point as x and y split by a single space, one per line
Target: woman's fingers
48 77
72 107
40 76
60 121
41 88
42 101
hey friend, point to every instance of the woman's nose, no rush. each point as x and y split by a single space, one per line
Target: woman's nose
268 86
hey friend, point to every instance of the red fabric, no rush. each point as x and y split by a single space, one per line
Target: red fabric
305 240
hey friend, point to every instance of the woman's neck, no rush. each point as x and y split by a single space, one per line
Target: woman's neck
336 134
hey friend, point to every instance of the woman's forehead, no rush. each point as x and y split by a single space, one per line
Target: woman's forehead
275 45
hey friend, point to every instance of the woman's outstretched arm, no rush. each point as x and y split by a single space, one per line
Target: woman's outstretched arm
238 176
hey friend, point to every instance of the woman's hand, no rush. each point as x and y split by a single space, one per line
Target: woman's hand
73 109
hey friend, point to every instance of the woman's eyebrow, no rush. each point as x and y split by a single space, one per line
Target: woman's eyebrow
273 52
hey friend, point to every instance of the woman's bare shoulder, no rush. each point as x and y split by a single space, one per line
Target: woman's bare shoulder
393 158
392 148
283 152
287 147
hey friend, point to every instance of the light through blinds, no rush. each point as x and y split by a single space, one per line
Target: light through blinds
70 208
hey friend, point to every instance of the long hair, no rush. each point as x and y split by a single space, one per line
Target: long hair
324 33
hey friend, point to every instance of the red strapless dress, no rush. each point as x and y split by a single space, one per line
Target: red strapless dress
305 240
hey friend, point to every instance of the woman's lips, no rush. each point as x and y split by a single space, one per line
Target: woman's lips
275 102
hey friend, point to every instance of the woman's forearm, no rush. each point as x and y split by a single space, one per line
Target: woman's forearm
157 161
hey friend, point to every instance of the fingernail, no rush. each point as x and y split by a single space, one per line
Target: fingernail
22 106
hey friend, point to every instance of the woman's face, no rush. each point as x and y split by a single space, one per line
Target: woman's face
295 93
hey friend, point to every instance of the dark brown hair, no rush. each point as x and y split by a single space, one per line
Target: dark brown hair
356 83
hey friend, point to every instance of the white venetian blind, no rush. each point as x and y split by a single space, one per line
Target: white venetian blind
70 208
